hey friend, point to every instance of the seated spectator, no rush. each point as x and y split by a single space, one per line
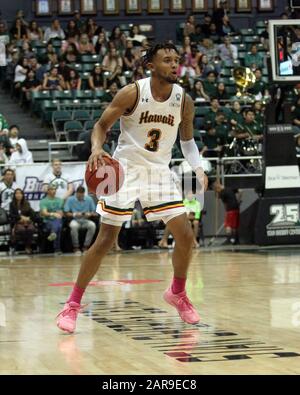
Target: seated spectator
113 63
115 38
186 72
13 135
79 22
210 84
7 188
260 88
193 209
96 80
249 128
213 33
85 47
71 54
4 35
53 80
206 24
189 26
100 43
258 109
225 27
3 124
254 59
72 30
73 82
236 116
38 69
227 51
20 75
51 210
26 51
198 93
34 32
4 139
186 48
55 31
18 31
135 35
31 84
198 35
212 142
208 48
210 117
222 93
81 209
22 219
64 186
204 67
90 28
222 128
112 91
20 15
22 155
63 70
139 73
3 64
129 57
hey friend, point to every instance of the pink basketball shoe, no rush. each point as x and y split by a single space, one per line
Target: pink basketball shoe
183 305
66 319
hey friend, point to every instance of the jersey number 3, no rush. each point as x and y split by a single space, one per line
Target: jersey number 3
154 137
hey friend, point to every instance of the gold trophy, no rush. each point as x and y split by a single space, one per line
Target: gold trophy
244 79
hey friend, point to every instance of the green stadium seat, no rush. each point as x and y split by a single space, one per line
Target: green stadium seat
251 39
236 40
72 129
260 24
96 114
88 67
226 72
247 32
88 125
62 95
76 66
59 118
201 111
81 115
47 108
36 99
241 47
98 94
91 59
88 94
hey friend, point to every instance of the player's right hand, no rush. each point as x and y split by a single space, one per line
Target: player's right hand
96 157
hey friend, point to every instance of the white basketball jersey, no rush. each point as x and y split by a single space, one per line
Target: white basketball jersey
149 132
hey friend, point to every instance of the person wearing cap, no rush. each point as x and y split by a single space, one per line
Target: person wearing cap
51 210
78 22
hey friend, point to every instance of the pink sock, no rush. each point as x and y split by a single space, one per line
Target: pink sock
76 294
178 285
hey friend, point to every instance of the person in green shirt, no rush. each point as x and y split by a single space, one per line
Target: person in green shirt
259 115
254 59
259 87
3 124
51 210
236 117
249 128
215 107
222 128
210 85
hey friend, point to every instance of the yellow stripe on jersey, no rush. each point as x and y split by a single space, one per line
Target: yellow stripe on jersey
114 211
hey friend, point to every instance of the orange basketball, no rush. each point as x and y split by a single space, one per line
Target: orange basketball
106 180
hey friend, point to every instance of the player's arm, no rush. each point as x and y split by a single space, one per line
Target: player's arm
123 102
188 146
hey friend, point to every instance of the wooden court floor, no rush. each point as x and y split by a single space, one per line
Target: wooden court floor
249 304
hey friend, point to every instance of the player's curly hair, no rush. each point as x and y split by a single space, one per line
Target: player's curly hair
152 51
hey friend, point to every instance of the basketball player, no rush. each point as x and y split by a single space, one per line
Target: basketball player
151 110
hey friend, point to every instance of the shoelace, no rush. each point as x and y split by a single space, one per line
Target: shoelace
185 304
72 311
